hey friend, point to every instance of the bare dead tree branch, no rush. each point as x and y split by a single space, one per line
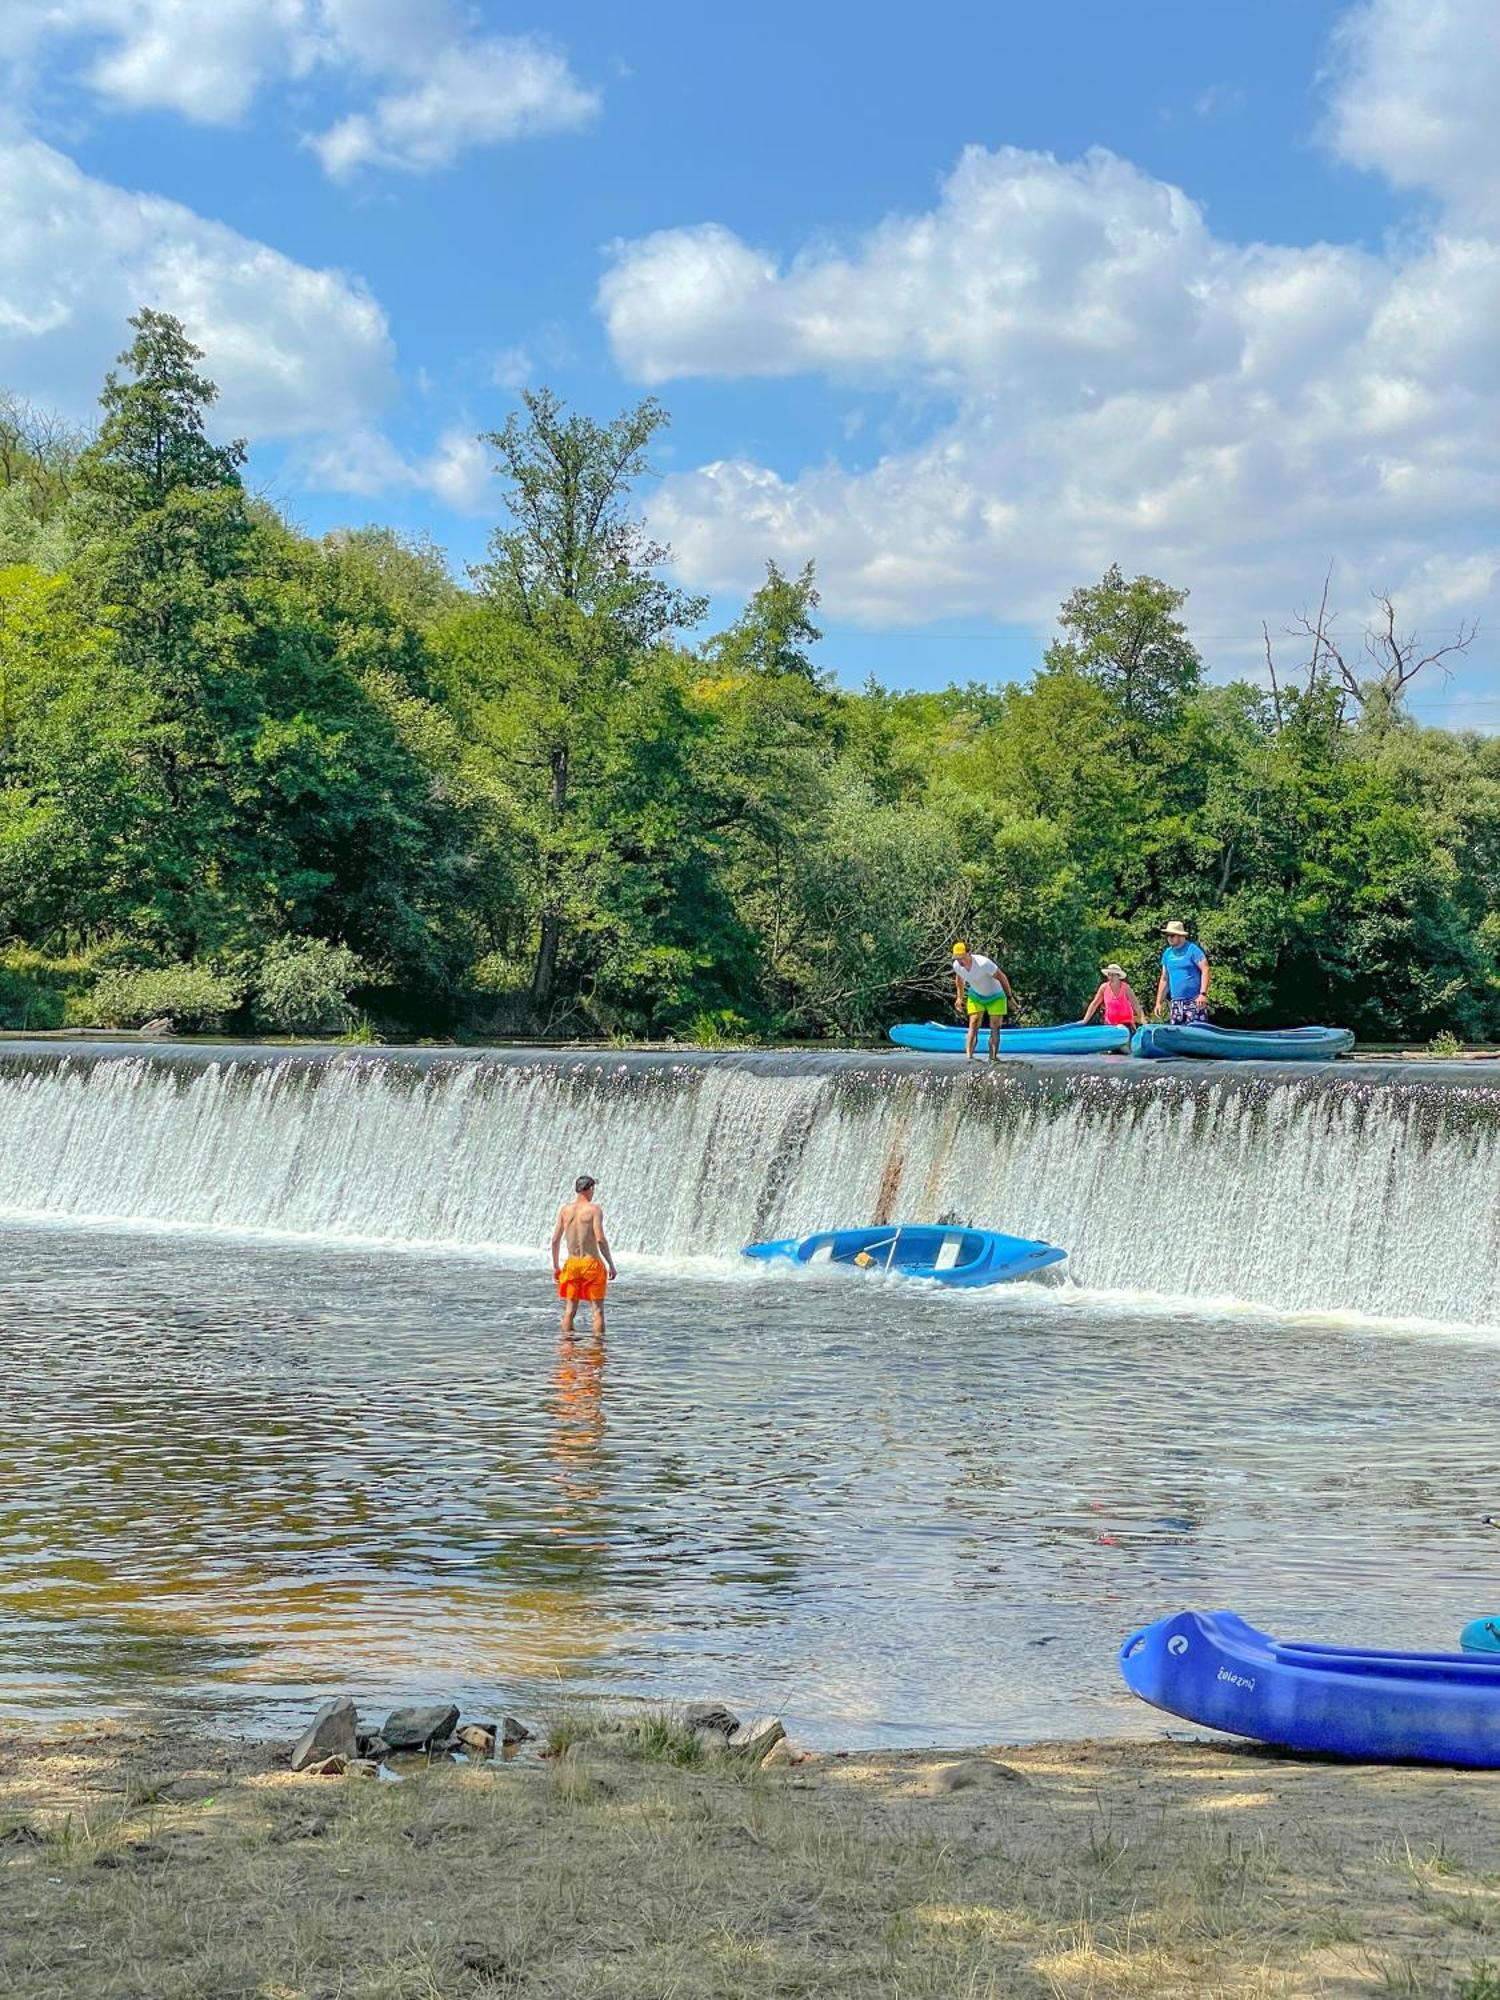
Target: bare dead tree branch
1397 657
1265 632
1389 660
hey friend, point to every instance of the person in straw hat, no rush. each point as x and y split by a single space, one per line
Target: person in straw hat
1184 977
1117 997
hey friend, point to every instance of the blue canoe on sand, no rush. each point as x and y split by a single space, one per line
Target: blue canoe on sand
1244 1044
1213 1668
952 1256
1070 1038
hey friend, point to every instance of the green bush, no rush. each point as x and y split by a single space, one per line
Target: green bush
720 1028
25 1004
189 997
37 991
302 987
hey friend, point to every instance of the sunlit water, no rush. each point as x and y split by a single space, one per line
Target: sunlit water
237 1476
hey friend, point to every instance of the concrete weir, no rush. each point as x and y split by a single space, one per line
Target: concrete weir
1363 1186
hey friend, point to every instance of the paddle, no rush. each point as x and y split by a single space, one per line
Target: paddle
864 1258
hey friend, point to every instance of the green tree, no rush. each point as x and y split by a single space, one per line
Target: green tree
38 462
774 632
1128 639
578 607
227 746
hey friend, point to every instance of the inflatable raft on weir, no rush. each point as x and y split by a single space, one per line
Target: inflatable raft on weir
1071 1038
951 1256
1211 1667
1199 1039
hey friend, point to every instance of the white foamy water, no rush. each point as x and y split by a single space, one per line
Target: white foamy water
1320 1194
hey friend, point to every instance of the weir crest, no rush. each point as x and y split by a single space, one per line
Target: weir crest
1356 1188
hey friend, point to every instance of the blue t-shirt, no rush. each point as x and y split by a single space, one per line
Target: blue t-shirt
1181 961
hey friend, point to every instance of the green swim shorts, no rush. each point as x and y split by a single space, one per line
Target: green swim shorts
993 1004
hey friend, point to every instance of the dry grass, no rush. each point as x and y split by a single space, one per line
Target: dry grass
179 1871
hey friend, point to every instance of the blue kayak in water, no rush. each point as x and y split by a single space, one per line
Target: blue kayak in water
1211 1667
1244 1044
1071 1038
952 1256
1481 1635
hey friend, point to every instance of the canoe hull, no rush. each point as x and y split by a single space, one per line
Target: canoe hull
1203 1041
948 1256
1481 1635
1211 1667
1071 1038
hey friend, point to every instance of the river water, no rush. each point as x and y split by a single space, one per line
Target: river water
239 1475
289 1412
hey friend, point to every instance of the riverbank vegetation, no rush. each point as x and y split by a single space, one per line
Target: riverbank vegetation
172 1870
256 779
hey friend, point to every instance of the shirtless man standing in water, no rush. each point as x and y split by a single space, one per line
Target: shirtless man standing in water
580 1223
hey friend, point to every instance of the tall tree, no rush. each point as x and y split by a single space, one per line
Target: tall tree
38 461
774 632
164 539
237 749
1128 638
577 576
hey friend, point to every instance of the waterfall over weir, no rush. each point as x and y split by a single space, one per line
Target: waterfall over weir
1367 1188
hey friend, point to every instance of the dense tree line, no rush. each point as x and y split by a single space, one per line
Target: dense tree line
308 784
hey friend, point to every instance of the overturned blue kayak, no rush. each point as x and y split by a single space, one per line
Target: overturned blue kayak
1071 1038
1211 1667
1245 1044
952 1256
1481 1635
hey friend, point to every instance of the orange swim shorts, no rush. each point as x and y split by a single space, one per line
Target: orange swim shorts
583 1278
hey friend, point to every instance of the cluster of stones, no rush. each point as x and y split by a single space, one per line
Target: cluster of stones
719 1729
333 1745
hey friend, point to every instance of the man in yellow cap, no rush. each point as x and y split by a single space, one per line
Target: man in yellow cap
981 990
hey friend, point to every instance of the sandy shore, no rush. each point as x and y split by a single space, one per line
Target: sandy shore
161 1867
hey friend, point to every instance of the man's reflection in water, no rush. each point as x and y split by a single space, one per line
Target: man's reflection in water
578 1409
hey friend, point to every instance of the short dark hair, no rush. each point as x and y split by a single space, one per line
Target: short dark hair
583 1183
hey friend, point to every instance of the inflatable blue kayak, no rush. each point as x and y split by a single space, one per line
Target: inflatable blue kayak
1244 1044
1072 1038
1213 1668
1481 1635
919 1250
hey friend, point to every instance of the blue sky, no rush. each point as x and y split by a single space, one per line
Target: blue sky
963 306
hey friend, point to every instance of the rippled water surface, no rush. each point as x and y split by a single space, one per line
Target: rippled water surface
240 1475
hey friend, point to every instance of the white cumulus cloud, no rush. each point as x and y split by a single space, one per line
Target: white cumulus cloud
1028 270
458 472
1110 380
473 93
1416 95
435 86
294 350
205 59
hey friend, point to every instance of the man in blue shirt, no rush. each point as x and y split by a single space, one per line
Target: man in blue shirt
1184 974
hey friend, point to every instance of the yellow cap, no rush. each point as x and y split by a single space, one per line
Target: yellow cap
959 949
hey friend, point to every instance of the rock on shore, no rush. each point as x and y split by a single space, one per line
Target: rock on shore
333 1732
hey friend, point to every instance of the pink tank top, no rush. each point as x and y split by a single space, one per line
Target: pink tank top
1118 1012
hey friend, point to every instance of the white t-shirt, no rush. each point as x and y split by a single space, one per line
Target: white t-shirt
981 976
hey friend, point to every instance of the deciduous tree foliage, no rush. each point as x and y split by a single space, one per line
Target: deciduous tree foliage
200 756
238 762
